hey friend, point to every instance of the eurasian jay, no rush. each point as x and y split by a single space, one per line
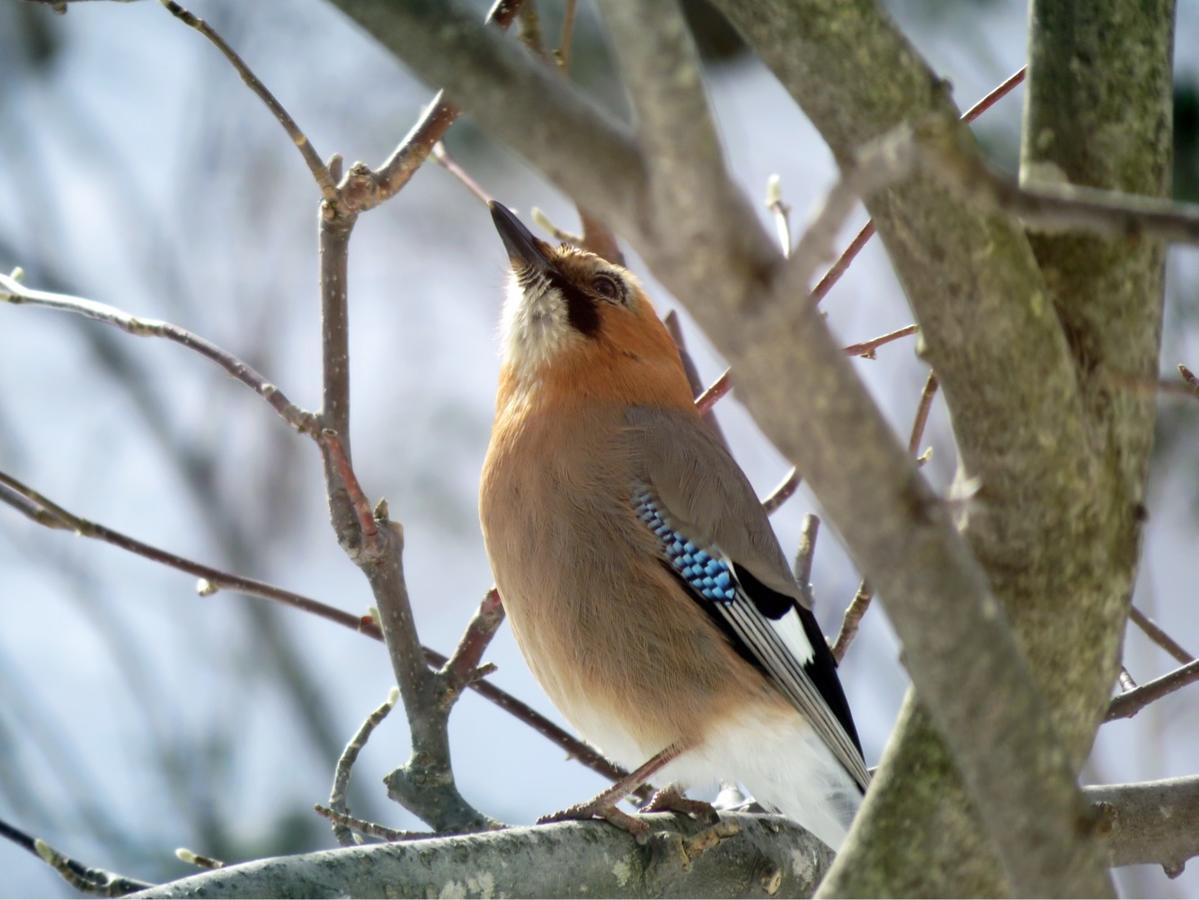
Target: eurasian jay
637 567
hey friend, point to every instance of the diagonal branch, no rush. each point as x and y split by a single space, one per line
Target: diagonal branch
345 765
1155 633
12 291
86 879
312 159
1128 704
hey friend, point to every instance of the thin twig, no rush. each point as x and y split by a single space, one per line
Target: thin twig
927 393
781 211
416 146
12 291
848 255
996 94
805 556
781 494
463 667
833 275
564 42
866 349
345 764
852 620
530 30
1130 703
864 595
198 859
311 158
49 514
1188 376
722 385
373 829
671 321
447 162
717 389
1127 682
83 878
559 234
333 445
1159 637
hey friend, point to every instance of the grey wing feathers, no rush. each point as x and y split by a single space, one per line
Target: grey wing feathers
708 495
717 539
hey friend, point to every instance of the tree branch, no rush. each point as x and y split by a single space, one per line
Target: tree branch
743 856
345 765
1159 637
312 159
84 878
1128 704
12 291
1153 822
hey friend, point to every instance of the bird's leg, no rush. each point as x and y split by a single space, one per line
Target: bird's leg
671 799
603 805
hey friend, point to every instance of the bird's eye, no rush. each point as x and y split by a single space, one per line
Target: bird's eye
608 286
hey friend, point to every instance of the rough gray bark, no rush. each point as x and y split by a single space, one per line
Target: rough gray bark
1019 332
758 856
1154 822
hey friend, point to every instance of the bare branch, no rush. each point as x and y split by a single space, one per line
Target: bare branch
568 30
442 157
671 321
717 389
927 393
430 129
1130 703
463 666
312 159
1149 823
852 619
559 234
784 492
805 556
1188 376
722 385
347 823
198 860
345 763
1159 637
781 212
12 291
864 595
49 514
867 349
1058 207
83 878
833 275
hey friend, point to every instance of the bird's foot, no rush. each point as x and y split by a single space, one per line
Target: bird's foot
671 799
601 809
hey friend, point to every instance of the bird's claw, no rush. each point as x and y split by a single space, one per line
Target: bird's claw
597 810
671 799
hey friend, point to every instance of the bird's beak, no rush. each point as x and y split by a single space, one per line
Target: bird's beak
524 250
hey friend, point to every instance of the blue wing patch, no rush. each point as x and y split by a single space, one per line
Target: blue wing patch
769 630
708 576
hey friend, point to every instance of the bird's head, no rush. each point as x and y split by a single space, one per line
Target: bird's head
572 317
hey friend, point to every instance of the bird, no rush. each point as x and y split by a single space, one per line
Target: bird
637 567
